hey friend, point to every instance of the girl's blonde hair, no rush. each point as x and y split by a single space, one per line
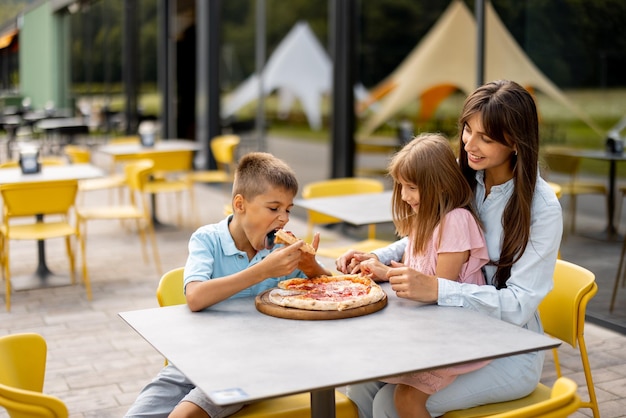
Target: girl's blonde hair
429 163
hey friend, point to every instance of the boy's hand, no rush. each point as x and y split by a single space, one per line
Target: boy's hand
308 262
284 260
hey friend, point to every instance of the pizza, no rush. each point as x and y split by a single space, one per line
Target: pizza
285 237
327 293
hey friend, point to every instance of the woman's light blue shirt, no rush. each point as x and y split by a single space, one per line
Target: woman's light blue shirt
531 276
212 254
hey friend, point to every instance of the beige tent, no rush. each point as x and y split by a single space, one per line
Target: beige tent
445 60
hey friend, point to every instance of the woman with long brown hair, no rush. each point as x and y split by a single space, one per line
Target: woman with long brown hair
522 221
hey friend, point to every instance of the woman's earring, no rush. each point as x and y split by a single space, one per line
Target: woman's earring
515 152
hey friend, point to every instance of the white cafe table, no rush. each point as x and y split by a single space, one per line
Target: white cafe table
234 353
121 151
356 209
43 277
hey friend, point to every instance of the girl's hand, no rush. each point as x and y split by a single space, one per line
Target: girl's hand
374 269
350 262
411 284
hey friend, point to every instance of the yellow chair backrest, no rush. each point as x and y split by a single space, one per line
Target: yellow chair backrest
42 197
22 372
170 161
563 309
563 402
121 140
77 155
170 289
223 148
561 162
563 312
138 173
337 187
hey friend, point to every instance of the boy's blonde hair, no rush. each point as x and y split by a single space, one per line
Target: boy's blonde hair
259 171
429 163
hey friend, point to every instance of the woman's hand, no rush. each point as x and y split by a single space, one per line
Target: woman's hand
411 284
350 262
374 269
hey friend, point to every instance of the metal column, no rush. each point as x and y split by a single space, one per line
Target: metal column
344 58
208 86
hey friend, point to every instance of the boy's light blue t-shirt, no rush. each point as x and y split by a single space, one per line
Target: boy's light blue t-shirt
212 253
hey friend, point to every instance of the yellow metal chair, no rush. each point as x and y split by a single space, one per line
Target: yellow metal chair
81 155
170 292
22 372
563 402
133 211
165 175
560 162
224 149
563 317
337 187
32 200
170 289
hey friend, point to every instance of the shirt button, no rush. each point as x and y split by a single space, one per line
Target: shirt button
240 256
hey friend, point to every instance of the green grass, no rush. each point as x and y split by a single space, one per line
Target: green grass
605 107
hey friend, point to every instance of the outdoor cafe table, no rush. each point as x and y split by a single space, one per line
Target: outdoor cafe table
234 353
610 232
356 209
43 277
125 152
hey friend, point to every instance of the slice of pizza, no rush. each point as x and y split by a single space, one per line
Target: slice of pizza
288 238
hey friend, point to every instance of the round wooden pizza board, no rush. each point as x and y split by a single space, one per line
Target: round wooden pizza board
264 305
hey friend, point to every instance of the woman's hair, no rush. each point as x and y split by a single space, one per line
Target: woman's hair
259 171
428 162
509 116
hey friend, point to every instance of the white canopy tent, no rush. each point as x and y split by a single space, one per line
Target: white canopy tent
299 69
445 60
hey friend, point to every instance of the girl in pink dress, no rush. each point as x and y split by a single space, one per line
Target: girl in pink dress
432 207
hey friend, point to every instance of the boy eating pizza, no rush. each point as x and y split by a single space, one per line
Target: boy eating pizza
230 259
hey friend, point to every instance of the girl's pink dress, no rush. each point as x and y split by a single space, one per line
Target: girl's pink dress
460 233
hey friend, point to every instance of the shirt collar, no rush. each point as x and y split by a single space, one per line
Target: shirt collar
228 244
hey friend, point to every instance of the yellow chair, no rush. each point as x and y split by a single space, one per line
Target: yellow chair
170 292
82 155
563 316
336 187
165 175
133 211
224 149
563 313
22 372
563 402
36 200
170 289
560 162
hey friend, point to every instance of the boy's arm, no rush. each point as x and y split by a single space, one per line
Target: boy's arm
281 262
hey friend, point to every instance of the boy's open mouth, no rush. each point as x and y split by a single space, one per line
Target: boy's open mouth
270 240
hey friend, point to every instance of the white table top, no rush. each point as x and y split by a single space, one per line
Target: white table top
235 353
57 123
161 146
51 172
356 209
